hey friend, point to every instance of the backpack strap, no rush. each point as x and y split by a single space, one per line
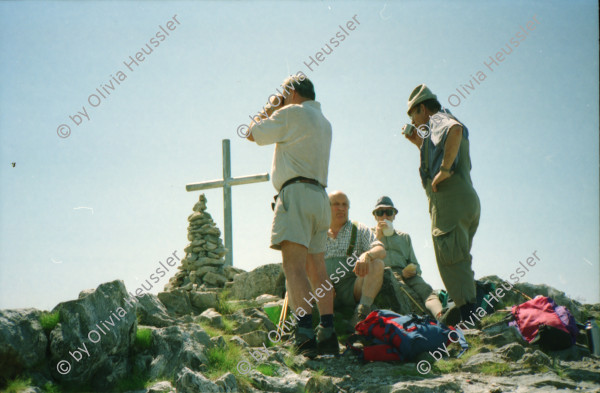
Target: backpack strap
353 236
461 340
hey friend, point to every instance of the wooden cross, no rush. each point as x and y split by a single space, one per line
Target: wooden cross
226 183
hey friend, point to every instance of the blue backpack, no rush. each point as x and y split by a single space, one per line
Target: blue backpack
403 337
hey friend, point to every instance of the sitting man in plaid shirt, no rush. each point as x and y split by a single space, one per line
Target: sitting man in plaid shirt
348 241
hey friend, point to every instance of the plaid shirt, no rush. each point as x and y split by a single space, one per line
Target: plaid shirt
365 240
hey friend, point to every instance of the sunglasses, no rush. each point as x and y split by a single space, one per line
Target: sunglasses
387 212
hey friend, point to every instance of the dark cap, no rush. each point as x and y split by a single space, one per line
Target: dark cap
384 201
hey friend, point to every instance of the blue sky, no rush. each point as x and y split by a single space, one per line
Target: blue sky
533 125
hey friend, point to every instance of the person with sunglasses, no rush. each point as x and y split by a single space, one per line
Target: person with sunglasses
453 202
401 258
353 259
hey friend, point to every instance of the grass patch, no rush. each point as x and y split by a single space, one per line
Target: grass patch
211 331
496 369
224 359
290 360
444 366
229 325
134 382
227 307
49 387
18 385
318 376
267 369
492 319
143 338
49 320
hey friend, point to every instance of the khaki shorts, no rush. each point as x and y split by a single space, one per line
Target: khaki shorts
302 215
344 284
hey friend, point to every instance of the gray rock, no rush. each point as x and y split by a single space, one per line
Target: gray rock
537 358
95 334
195 216
550 380
256 338
482 358
204 300
321 385
290 383
510 335
161 387
252 319
512 297
579 374
189 381
512 351
445 385
266 298
175 347
575 352
212 317
22 341
151 312
214 279
250 325
177 301
31 389
231 272
264 279
239 341
206 269
218 341
227 382
219 262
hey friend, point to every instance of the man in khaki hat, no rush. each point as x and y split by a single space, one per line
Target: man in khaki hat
453 203
400 256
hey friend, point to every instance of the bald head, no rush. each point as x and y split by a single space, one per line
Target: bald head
338 196
340 204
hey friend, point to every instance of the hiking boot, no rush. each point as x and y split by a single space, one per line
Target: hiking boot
305 342
327 342
469 316
360 313
451 317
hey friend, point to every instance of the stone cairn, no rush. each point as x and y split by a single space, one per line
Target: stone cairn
203 265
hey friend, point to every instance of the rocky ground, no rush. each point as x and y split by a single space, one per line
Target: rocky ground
216 340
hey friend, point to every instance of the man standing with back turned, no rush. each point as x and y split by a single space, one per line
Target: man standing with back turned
302 214
453 203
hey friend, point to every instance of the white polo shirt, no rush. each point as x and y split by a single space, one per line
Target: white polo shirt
302 137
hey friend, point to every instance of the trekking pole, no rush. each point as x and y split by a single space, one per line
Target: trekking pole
414 301
283 314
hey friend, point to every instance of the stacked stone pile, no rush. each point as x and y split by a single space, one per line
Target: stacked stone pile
203 265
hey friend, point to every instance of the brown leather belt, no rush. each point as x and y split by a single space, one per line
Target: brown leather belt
299 179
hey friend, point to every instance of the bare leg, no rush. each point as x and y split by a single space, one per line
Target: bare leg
317 274
294 268
434 306
370 284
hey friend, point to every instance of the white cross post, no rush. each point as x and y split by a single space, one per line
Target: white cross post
226 183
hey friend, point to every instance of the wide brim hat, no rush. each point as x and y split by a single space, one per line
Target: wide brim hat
419 94
385 201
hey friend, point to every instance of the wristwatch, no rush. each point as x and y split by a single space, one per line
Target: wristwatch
444 169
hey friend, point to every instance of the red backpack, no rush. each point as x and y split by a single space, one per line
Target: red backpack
540 320
402 337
